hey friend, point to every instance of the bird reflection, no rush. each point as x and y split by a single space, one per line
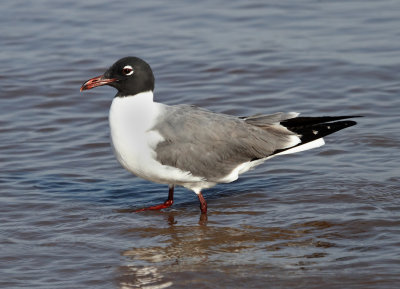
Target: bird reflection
177 244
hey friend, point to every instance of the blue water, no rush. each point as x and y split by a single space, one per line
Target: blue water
323 218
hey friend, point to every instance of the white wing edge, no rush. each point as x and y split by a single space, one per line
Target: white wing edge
307 146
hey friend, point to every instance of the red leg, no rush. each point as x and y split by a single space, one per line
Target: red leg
166 204
203 203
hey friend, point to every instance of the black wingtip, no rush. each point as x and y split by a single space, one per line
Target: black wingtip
303 121
312 128
312 132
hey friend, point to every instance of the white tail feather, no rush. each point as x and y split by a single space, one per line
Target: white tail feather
244 167
307 146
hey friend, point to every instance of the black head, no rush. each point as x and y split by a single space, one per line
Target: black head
129 75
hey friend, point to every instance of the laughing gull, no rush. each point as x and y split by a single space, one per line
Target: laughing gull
193 147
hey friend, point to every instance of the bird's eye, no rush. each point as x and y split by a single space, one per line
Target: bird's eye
127 70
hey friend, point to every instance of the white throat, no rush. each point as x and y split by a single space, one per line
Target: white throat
140 98
132 115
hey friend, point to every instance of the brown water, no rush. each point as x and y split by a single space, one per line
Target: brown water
327 218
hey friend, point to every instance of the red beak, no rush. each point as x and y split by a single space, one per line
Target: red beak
96 81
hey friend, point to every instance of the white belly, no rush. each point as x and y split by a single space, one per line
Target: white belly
134 142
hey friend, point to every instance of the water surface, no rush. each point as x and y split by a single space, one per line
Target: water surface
327 218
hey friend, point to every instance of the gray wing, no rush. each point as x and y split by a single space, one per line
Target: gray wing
211 145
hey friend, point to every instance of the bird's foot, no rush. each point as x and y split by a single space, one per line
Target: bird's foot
166 204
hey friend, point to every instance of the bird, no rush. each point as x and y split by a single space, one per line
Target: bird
189 146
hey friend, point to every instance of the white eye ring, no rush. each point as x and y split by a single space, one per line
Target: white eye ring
127 70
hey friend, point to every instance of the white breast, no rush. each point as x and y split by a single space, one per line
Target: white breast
134 141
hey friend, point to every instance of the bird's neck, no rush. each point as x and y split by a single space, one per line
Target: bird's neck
144 98
135 110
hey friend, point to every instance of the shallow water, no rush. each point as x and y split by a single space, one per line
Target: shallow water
326 218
